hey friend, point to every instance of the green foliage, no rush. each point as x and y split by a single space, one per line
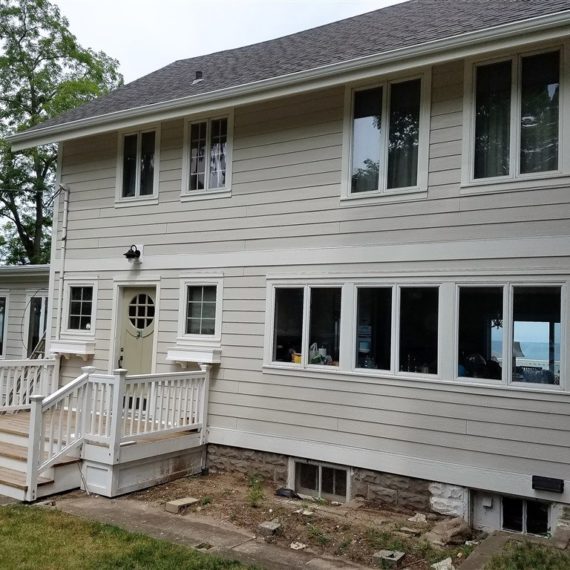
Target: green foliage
527 555
207 500
318 535
255 494
33 538
43 73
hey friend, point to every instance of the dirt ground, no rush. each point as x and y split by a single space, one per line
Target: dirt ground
353 531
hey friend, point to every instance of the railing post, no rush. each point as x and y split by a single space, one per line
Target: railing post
117 414
35 447
205 396
87 404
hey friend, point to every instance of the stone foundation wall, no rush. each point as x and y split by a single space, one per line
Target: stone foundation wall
395 490
271 466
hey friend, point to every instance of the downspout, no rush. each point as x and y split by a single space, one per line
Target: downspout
65 190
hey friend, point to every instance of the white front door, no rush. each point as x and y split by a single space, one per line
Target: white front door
137 329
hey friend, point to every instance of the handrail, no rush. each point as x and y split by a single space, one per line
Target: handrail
63 391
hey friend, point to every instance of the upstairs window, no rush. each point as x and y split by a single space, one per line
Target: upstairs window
207 157
385 137
517 116
138 169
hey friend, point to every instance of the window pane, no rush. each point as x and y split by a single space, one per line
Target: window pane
288 331
480 332
200 314
218 149
306 477
492 119
80 307
324 333
366 136
536 335
539 112
374 333
536 517
404 134
512 514
418 329
129 165
147 163
197 156
333 481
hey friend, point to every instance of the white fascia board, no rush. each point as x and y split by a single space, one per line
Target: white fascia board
533 30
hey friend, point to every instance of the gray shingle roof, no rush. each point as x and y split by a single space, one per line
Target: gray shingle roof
403 25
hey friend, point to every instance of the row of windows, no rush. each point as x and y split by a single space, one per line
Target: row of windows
515 132
504 333
509 334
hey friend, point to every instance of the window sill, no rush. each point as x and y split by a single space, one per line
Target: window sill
127 202
82 348
200 354
430 381
400 195
196 195
534 182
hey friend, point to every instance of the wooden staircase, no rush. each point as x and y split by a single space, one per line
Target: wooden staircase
14 439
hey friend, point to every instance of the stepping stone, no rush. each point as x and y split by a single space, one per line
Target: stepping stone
180 505
410 531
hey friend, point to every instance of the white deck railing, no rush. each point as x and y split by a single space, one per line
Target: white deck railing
19 379
110 410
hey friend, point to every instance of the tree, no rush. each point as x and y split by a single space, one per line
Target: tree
43 72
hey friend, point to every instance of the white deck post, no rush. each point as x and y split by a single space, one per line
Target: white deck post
35 447
87 406
205 396
117 414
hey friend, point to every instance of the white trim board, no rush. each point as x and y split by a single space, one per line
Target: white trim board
542 247
464 475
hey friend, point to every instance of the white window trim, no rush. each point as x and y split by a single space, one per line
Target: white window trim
413 192
514 180
198 348
199 339
74 333
225 192
31 294
507 372
6 294
448 328
120 200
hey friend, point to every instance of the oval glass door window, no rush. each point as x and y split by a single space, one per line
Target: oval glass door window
141 311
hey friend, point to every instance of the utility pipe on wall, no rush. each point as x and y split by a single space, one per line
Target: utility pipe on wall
65 190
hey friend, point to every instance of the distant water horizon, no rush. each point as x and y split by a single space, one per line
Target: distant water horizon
531 350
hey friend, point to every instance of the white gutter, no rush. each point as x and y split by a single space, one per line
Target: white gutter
64 221
529 30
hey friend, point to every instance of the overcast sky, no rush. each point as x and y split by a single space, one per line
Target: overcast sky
145 35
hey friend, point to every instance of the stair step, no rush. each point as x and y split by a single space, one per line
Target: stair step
20 453
17 479
15 424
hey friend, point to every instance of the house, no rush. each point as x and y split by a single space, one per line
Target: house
340 256
23 311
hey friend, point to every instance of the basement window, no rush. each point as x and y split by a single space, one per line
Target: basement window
321 480
525 516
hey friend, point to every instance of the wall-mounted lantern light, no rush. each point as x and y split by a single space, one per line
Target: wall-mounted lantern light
133 254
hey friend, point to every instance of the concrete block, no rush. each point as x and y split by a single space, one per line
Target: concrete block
269 528
390 558
180 505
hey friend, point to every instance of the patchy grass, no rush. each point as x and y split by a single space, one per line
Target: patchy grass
33 538
527 555
255 493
